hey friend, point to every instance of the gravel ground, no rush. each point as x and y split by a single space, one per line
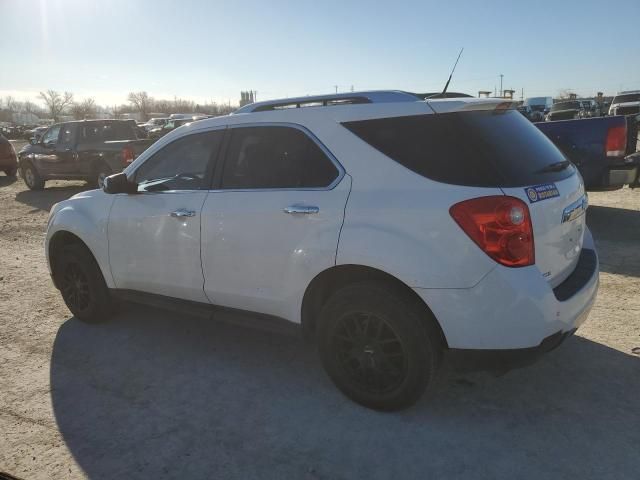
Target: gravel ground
155 395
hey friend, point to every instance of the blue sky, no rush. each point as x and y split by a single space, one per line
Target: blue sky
210 50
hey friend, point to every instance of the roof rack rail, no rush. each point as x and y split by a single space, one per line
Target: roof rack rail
381 96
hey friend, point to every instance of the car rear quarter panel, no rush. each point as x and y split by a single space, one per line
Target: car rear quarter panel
398 221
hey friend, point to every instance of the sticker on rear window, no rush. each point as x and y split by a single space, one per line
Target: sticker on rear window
541 192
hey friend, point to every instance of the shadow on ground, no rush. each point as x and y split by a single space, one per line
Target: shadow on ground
154 395
45 199
617 235
6 180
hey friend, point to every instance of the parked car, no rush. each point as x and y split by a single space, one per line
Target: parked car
35 134
540 106
155 123
171 125
565 111
625 103
590 109
8 159
81 150
526 111
605 149
392 230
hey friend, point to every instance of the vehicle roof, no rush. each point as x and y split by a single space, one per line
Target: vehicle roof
406 105
627 91
95 121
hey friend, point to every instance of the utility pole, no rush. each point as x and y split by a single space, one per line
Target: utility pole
501 92
352 88
336 86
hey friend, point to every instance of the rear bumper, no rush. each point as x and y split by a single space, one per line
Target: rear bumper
515 308
506 359
8 161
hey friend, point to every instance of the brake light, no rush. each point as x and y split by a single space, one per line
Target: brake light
128 155
616 144
500 226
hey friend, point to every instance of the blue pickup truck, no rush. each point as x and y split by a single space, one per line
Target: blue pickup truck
605 150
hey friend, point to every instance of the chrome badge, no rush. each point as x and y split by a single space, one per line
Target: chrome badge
575 210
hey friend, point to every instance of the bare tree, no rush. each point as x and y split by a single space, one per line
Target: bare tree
84 109
56 103
10 103
142 102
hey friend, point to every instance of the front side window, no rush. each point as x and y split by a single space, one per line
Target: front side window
275 157
52 135
67 134
181 165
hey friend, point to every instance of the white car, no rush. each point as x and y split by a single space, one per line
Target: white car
393 230
155 123
625 103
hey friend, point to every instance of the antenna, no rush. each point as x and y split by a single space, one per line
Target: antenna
451 75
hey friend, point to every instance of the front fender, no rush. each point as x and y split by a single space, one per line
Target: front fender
85 216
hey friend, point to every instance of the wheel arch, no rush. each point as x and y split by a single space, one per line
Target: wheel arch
330 280
57 242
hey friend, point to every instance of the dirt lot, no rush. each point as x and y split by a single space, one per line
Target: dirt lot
155 395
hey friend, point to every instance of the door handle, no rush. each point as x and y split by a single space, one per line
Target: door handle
301 209
181 213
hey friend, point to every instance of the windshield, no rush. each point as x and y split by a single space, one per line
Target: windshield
630 97
566 106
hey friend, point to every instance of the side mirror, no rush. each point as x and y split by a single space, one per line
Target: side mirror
119 183
33 140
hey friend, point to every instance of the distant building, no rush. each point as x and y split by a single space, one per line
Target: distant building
247 97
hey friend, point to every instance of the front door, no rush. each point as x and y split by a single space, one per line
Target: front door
154 235
273 221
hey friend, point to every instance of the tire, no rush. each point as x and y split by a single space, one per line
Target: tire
31 177
101 172
379 346
82 285
11 172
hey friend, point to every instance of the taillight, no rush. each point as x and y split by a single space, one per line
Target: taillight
500 226
128 155
616 144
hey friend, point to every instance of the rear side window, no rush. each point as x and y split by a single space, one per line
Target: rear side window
275 157
482 148
118 131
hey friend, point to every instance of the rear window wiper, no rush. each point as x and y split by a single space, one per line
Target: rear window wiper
555 167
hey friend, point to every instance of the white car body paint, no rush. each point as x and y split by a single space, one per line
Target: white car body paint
380 215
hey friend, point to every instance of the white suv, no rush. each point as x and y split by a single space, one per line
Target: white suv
392 229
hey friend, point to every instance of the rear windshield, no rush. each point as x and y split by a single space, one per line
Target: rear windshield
631 97
535 101
107 131
566 106
481 148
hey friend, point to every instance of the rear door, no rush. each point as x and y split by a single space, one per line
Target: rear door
273 221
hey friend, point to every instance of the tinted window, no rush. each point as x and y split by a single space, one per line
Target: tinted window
630 97
181 165
566 106
482 148
275 157
66 137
